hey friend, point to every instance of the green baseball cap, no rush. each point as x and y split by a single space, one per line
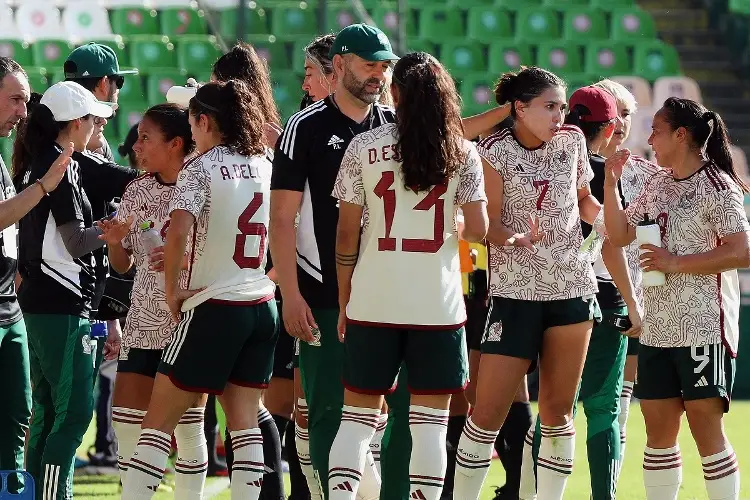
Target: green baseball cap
94 60
365 41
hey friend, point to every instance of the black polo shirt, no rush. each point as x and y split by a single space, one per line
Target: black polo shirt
609 297
10 311
53 281
307 159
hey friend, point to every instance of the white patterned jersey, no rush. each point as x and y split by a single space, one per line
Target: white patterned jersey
408 255
637 172
693 214
149 323
541 182
229 196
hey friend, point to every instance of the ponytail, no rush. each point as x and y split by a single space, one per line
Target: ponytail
35 133
707 131
524 86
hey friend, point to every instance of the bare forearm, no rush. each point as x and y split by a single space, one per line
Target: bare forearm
720 259
284 253
617 265
347 253
498 234
615 219
13 209
174 250
589 208
476 125
119 258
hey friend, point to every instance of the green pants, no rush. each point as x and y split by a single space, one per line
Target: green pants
599 391
321 368
15 408
62 360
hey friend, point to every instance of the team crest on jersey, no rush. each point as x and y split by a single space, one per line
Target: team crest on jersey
494 332
86 341
335 141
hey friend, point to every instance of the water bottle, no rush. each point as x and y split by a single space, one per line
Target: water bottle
151 239
649 232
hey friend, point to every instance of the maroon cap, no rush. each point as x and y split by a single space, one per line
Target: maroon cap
600 103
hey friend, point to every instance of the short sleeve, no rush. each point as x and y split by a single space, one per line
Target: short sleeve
727 213
66 202
639 206
349 186
123 212
471 179
192 188
584 172
491 150
291 158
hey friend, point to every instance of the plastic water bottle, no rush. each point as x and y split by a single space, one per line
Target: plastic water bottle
649 232
151 239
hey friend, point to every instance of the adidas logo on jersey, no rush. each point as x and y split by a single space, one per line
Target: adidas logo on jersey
345 486
702 382
335 141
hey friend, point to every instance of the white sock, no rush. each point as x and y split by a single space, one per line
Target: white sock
555 461
377 439
146 467
192 456
527 491
346 461
473 459
722 475
369 486
429 458
662 473
263 415
127 425
625 396
302 440
248 467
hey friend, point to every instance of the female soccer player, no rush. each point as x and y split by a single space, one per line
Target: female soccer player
635 174
400 177
689 342
164 140
542 289
221 198
57 238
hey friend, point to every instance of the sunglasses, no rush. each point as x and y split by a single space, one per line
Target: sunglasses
118 79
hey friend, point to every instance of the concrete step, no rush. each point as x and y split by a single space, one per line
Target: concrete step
679 36
665 4
729 103
686 19
735 120
699 53
735 88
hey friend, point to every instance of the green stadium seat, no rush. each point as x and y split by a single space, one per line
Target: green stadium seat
386 17
17 50
514 4
182 21
739 6
459 58
488 24
159 81
257 22
508 56
195 53
37 78
560 57
581 24
611 4
291 22
132 93
576 82
604 58
535 24
654 59
274 53
126 118
6 149
421 45
56 76
134 21
468 4
477 93
298 56
339 16
120 50
632 23
564 4
439 23
51 53
151 51
287 92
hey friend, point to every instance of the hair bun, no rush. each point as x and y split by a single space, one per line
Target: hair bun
507 88
708 116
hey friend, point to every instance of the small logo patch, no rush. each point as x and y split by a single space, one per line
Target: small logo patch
86 341
494 333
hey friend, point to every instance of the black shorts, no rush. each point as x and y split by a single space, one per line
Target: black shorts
140 361
283 357
633 344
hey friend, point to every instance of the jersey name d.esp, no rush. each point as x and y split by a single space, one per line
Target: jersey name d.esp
694 214
229 195
637 172
408 255
542 182
149 323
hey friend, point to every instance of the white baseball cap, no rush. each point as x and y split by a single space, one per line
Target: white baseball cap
69 100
